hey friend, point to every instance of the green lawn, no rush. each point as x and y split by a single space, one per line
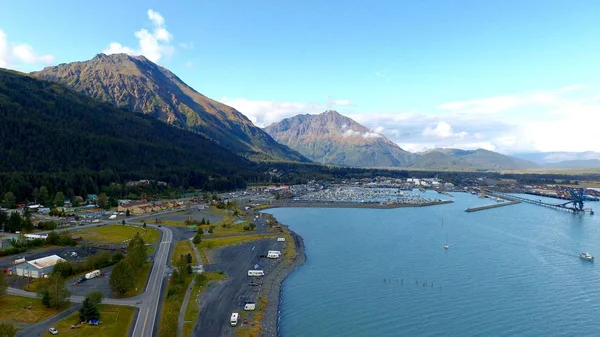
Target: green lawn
192 311
117 234
208 243
116 321
170 310
24 310
183 247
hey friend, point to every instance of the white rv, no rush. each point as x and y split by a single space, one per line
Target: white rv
281 239
92 274
273 254
250 306
234 319
256 273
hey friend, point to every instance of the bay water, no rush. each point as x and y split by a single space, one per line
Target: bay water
509 271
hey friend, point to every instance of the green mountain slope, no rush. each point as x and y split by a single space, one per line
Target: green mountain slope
480 159
135 83
330 138
48 128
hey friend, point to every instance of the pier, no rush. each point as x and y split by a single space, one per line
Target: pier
536 202
481 208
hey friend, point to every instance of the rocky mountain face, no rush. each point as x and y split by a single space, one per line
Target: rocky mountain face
134 83
330 138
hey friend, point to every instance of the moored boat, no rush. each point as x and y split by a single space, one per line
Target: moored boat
586 256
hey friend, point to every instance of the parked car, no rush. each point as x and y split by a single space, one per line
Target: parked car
53 331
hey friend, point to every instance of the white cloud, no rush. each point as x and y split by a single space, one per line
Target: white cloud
563 119
16 55
351 133
153 45
263 113
368 135
189 65
187 46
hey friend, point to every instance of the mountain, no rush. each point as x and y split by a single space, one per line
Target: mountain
479 159
48 128
330 138
571 160
137 84
574 164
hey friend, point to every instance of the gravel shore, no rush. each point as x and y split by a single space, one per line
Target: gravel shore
272 289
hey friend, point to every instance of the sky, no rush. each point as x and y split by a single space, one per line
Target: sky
509 76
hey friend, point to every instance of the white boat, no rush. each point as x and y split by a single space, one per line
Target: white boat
586 256
446 244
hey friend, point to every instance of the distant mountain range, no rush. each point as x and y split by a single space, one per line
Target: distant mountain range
138 85
331 138
564 160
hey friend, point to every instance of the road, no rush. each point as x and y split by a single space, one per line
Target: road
149 308
148 302
230 295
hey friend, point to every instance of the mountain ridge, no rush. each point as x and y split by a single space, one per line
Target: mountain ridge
135 83
331 138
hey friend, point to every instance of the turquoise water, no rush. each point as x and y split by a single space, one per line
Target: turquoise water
510 271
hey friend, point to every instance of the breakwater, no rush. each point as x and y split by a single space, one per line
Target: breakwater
481 208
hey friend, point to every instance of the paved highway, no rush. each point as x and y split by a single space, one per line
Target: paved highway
149 308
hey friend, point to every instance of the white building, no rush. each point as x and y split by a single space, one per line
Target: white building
38 268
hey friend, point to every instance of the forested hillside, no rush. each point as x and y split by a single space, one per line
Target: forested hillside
55 137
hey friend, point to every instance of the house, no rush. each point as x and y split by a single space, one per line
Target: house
38 268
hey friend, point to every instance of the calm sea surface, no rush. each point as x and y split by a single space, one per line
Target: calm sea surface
510 271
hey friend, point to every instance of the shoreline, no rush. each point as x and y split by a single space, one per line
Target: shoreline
270 321
345 204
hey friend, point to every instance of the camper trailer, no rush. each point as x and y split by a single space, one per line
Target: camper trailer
234 319
273 254
92 274
280 239
250 306
256 273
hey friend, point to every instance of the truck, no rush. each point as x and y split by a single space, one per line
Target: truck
256 273
234 319
93 274
273 254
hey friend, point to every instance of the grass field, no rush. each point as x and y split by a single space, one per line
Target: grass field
117 234
290 247
586 184
141 278
116 321
170 310
208 243
254 318
16 309
192 311
183 247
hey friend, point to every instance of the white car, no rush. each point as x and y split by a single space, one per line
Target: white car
53 331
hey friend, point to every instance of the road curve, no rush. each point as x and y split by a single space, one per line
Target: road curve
144 324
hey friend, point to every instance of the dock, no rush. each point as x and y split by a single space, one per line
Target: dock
481 208
535 202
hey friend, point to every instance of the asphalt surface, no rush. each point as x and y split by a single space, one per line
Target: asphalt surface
149 308
220 300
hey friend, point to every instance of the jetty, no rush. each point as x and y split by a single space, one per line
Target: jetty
561 207
481 208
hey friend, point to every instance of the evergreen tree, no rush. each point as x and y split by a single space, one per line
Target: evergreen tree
136 252
15 223
53 292
89 308
44 196
59 199
121 278
3 284
10 201
103 201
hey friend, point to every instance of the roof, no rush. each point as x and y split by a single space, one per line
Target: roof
46 262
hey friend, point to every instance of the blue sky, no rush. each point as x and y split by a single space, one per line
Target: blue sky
500 75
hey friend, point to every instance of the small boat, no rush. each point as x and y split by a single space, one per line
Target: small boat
586 256
446 244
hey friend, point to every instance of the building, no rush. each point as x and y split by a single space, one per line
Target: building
38 268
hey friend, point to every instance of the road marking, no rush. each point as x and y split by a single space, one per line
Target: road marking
145 320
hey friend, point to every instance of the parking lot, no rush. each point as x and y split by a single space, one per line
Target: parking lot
220 300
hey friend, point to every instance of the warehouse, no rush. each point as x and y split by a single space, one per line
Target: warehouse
38 268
